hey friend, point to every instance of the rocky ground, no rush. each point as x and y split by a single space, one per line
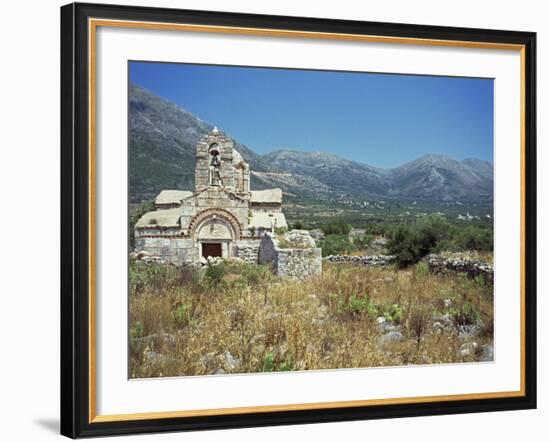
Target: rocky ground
238 318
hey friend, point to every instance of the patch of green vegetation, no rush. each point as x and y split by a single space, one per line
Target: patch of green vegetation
153 276
270 364
136 331
214 272
433 234
422 270
467 314
336 245
336 226
396 313
357 304
182 314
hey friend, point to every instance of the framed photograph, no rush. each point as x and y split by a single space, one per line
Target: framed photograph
274 220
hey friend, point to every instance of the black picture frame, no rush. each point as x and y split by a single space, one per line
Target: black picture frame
75 220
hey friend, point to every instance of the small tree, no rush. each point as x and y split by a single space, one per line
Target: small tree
336 226
298 225
336 245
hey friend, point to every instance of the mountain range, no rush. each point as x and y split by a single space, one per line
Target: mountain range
163 137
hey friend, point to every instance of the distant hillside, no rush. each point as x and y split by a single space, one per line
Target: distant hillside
162 156
441 178
163 138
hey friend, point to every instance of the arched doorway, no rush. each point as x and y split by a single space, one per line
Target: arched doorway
214 232
215 238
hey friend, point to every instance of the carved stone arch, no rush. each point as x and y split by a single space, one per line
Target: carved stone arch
214 146
206 215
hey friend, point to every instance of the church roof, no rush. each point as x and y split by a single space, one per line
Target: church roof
172 196
267 220
160 218
267 196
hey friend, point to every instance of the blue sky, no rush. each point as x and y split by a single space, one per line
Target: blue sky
380 119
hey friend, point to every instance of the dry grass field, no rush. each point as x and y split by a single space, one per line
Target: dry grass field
240 318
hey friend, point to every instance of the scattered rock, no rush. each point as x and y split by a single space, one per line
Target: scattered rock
469 331
156 340
487 353
146 257
317 234
438 327
231 362
391 336
467 349
446 321
299 239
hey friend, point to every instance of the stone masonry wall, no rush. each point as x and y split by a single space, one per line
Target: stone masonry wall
367 260
175 251
247 250
299 263
461 264
293 255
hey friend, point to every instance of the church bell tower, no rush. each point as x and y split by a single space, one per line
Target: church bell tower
214 166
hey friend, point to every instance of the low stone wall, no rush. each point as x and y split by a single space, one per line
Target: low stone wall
367 260
473 268
293 255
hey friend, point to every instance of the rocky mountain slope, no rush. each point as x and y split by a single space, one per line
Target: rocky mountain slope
162 156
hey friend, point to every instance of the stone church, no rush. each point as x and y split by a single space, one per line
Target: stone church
222 217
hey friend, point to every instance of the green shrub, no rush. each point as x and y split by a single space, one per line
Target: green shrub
287 364
467 314
403 244
474 238
336 226
378 228
411 243
396 313
182 314
271 364
268 363
214 273
257 274
153 276
363 242
137 330
357 305
336 245
422 269
281 230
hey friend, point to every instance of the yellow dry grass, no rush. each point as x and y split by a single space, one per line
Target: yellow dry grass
242 319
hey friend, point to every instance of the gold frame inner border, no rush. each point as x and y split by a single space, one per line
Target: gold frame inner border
93 24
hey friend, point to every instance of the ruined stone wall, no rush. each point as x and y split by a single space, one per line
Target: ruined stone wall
299 263
367 260
471 267
294 255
